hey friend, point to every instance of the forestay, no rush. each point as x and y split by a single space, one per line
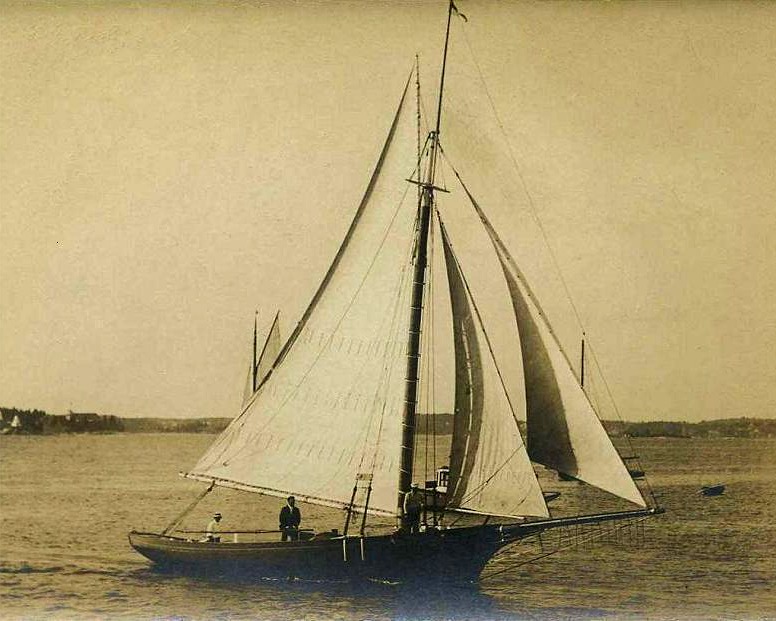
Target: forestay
563 431
490 471
331 408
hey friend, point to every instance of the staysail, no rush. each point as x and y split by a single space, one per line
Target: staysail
490 471
329 409
563 430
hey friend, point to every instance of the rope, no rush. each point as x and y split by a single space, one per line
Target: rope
188 509
481 323
576 542
295 389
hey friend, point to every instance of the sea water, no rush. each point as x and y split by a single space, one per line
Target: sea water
67 503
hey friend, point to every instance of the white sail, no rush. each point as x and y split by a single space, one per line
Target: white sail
489 467
330 408
563 430
269 351
260 367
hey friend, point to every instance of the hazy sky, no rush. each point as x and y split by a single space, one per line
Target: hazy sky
166 170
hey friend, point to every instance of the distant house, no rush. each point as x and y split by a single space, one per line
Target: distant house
83 421
21 421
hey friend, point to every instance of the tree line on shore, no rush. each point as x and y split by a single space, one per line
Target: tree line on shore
38 422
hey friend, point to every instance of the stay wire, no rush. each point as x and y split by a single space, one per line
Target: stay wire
576 543
534 214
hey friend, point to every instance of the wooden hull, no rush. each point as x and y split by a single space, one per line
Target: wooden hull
457 555
453 555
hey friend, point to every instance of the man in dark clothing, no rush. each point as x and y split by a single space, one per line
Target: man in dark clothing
413 506
290 518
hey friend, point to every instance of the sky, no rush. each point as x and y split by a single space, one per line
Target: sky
166 170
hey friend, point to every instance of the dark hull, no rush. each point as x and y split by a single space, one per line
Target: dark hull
713 490
453 555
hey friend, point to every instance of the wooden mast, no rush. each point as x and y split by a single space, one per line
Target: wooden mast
426 201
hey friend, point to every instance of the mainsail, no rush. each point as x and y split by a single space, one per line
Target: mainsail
490 471
563 430
329 411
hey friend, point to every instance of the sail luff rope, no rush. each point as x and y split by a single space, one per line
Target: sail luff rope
479 320
425 206
504 255
446 238
233 427
535 216
346 240
432 372
398 305
524 184
617 411
255 336
295 389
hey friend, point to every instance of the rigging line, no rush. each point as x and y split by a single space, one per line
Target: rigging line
188 509
401 301
350 303
432 329
482 324
345 242
617 411
428 360
575 543
472 493
521 443
503 255
237 424
417 104
521 176
401 297
535 215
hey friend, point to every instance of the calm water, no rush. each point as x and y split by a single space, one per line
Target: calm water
67 502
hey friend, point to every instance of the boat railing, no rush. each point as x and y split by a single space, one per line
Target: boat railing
304 533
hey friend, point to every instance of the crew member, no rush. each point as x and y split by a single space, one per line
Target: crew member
212 532
413 505
290 518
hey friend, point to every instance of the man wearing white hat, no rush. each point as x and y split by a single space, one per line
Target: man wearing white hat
212 529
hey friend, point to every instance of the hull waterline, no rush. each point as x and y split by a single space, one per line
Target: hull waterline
452 555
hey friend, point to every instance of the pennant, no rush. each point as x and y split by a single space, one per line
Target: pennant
457 12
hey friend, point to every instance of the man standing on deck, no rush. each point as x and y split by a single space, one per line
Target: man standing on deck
290 518
413 505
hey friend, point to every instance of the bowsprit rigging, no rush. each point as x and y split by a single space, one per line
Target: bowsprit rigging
340 400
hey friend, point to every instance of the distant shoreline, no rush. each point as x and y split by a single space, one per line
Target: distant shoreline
38 422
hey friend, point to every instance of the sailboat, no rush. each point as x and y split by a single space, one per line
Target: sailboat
340 399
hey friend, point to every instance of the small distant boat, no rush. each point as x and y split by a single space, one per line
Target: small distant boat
713 490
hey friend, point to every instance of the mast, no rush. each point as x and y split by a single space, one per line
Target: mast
416 309
582 364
